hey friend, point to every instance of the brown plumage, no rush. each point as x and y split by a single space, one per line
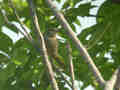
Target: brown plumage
52 45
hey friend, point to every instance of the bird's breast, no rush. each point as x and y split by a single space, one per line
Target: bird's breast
52 45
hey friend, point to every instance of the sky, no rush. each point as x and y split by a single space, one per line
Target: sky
85 22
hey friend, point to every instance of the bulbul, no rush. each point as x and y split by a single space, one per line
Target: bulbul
52 46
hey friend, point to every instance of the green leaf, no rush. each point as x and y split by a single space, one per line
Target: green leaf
77 21
66 5
5 42
16 62
82 10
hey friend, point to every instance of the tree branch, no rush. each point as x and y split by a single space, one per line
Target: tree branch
62 76
71 66
77 43
11 24
18 18
117 84
111 83
42 43
25 33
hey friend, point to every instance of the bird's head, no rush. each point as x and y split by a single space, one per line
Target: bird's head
52 32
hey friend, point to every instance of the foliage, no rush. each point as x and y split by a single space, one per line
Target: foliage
23 67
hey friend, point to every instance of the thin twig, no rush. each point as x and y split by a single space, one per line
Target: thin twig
42 43
71 66
62 76
18 18
89 46
11 24
25 35
77 43
61 73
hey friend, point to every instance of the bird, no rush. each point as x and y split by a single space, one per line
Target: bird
51 43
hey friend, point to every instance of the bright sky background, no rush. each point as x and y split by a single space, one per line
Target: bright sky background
85 22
